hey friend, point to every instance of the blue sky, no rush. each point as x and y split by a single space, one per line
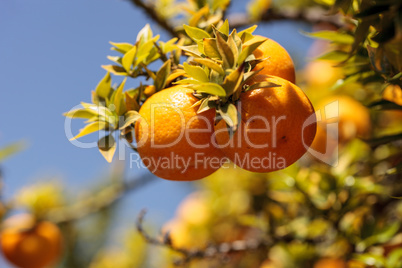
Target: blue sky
50 54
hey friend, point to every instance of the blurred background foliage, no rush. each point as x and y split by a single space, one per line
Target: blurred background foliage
341 208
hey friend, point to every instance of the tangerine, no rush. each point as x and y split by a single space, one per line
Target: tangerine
30 244
175 142
277 60
276 128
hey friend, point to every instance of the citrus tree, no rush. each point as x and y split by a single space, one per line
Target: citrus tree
292 168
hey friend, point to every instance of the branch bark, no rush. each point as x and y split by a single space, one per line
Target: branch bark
308 15
150 11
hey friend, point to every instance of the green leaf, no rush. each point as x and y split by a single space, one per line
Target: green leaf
333 36
192 50
145 49
249 47
265 84
370 259
233 46
11 149
380 237
119 103
130 118
226 52
81 113
210 88
196 72
211 48
104 87
210 64
335 55
107 147
121 47
249 30
90 128
394 259
162 76
193 21
205 105
188 81
229 114
144 34
233 81
115 59
195 33
128 59
225 28
116 70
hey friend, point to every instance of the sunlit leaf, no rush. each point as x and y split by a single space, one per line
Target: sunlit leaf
211 48
229 114
162 76
226 53
128 59
265 84
196 72
249 30
192 50
81 113
225 28
117 70
104 87
11 149
340 38
210 64
249 47
119 103
195 33
210 88
130 118
90 128
121 47
193 21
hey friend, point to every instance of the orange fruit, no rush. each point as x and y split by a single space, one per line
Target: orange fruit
175 142
277 60
27 244
353 118
322 73
330 263
276 128
393 93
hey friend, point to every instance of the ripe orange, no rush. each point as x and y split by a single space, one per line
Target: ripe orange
393 93
175 142
353 118
277 126
322 73
27 244
278 61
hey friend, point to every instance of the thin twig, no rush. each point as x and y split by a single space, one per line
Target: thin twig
150 11
309 15
212 251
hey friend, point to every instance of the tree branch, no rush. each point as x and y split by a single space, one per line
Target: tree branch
213 251
150 11
97 201
311 15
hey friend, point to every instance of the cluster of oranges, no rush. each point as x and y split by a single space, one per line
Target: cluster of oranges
178 140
